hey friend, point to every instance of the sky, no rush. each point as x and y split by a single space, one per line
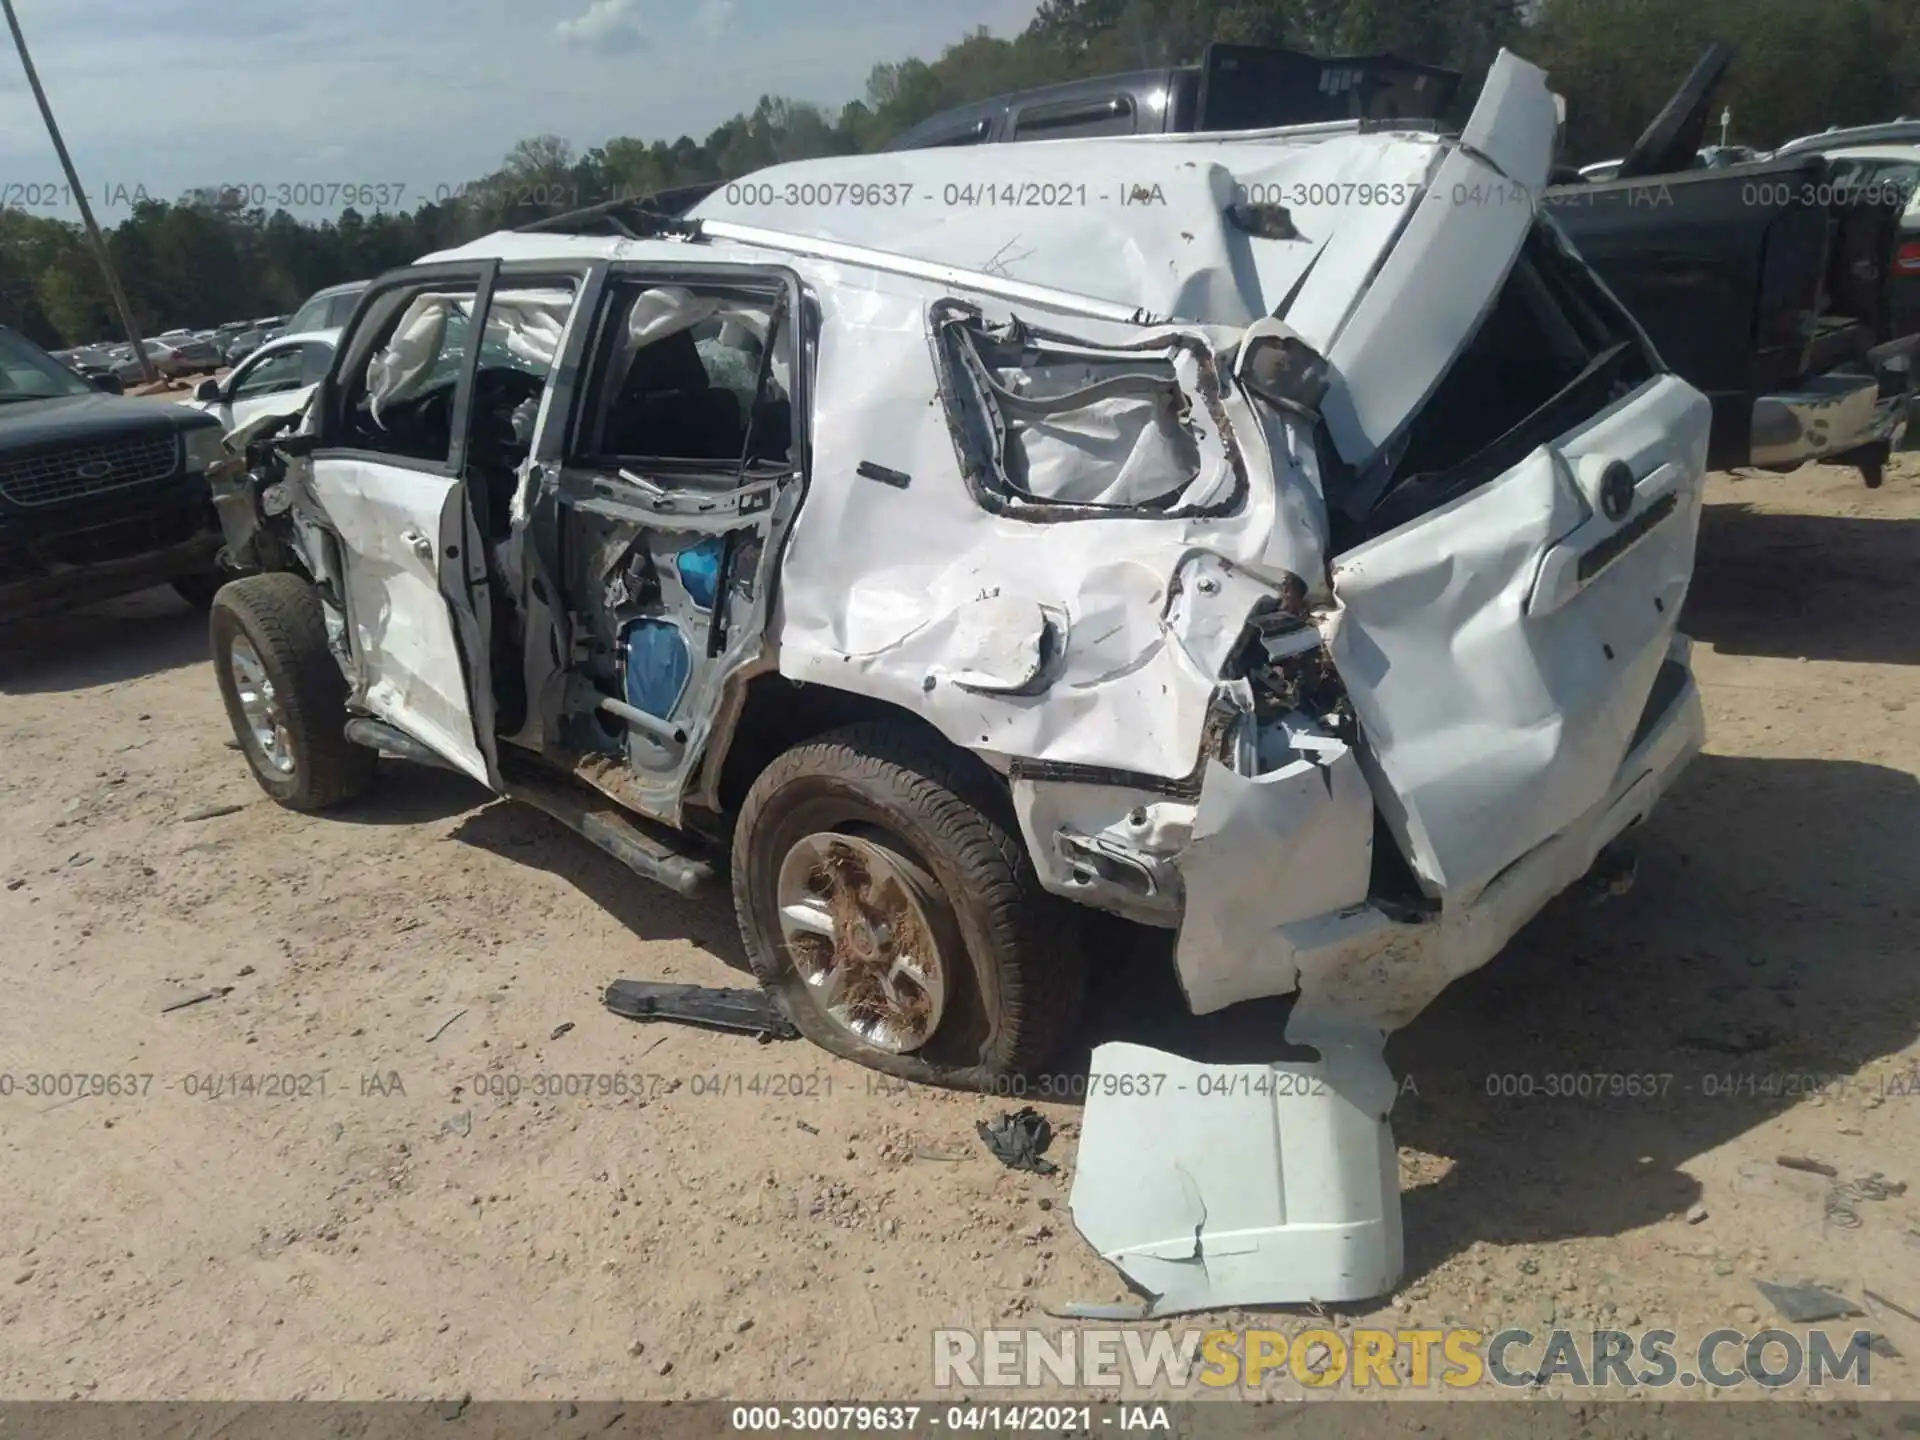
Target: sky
420 96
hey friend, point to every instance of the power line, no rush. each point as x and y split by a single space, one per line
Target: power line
80 198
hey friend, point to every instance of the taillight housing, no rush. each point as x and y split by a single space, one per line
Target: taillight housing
1906 260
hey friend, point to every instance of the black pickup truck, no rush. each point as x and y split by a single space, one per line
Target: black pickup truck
100 494
1764 285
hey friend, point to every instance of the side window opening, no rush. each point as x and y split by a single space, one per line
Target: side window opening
401 404
518 348
1056 428
277 373
1101 115
316 360
693 376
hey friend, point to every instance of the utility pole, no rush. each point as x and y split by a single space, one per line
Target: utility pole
80 199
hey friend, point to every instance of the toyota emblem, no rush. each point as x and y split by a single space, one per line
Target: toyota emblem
1616 490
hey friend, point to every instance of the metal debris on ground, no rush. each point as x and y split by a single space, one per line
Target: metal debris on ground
196 998
1082 1310
1019 1139
1843 1199
443 1026
1740 1040
749 1012
1885 1303
562 1028
210 812
1806 1304
1808 1164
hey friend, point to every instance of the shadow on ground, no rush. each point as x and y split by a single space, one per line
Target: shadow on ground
652 912
1770 932
1815 586
104 644
412 794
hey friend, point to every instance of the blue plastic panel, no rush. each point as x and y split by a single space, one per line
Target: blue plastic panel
699 569
658 663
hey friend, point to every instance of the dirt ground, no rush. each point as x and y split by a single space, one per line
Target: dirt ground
766 1221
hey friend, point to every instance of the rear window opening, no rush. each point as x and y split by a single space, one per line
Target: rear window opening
690 378
1554 351
1050 428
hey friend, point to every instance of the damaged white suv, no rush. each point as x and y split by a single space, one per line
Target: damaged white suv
1278 538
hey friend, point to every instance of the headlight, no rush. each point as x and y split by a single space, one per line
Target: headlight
204 448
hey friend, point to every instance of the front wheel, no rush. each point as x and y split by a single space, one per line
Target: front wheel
284 692
886 898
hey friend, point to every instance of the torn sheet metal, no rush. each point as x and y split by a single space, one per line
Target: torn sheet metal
1107 844
1495 719
1357 968
1049 214
1269 850
1218 1185
1148 605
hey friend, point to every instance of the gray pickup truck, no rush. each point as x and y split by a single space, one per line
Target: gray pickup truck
1765 285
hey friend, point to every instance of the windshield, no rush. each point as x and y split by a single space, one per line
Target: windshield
28 373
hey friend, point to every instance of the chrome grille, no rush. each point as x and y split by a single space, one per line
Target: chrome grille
83 470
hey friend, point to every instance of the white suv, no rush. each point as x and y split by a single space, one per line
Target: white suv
1278 539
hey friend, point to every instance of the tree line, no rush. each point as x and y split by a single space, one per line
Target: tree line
208 257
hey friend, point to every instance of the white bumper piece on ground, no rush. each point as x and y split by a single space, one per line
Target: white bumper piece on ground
1215 1185
1212 1185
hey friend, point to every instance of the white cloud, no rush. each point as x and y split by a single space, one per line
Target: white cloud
411 96
606 25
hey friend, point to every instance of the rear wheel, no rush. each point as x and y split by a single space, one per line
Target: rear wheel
284 692
885 896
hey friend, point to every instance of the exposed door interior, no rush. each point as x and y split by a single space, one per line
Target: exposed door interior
683 466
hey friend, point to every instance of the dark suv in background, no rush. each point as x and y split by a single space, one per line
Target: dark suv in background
100 494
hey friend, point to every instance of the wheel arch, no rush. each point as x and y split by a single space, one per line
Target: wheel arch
778 714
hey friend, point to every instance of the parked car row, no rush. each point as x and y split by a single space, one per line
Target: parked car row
101 495
181 351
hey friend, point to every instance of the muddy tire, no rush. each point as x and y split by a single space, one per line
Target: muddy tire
887 901
285 694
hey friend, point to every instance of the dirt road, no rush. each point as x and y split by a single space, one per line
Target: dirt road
333 1178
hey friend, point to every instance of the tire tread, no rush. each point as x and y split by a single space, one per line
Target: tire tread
957 799
281 613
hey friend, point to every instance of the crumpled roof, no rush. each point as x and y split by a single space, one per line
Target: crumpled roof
1134 221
